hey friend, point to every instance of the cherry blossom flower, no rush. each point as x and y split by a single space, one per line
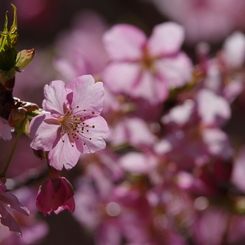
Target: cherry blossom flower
55 195
74 124
8 200
145 68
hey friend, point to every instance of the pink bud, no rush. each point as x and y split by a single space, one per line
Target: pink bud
55 195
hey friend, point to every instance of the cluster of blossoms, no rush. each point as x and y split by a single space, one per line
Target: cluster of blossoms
153 158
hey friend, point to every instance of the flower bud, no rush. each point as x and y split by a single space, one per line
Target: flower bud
55 195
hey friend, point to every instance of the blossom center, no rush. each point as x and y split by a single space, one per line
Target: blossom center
147 61
74 126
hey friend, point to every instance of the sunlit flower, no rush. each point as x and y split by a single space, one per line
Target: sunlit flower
73 124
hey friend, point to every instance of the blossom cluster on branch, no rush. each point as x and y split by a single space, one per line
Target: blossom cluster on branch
142 128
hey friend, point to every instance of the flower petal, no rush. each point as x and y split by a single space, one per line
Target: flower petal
8 220
63 154
234 50
175 71
13 202
55 97
43 131
150 88
212 108
124 42
96 134
88 96
166 39
121 77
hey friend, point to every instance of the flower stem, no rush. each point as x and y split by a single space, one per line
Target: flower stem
3 173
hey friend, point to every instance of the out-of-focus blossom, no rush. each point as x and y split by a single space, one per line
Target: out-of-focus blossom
210 226
138 163
8 200
194 130
42 18
198 17
146 68
5 129
224 74
101 168
214 111
133 131
123 211
74 124
81 51
234 50
208 180
55 195
33 229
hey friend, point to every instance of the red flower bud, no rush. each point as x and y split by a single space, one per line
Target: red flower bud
55 195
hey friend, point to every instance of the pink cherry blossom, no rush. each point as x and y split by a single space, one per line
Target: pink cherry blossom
8 200
55 195
146 68
73 124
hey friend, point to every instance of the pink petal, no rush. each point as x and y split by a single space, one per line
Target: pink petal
175 71
234 50
14 203
133 130
47 199
138 163
70 205
124 42
166 39
217 143
63 154
180 114
212 107
55 97
150 88
121 77
8 220
67 69
87 95
43 131
97 135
